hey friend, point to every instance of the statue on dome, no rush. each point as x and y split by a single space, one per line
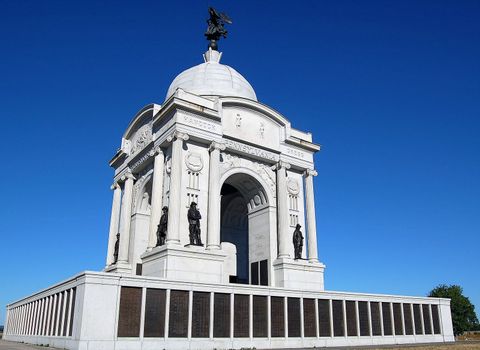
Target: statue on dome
194 224
216 28
162 227
298 242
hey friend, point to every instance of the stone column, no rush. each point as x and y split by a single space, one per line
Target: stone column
125 217
174 205
311 223
114 218
284 239
157 191
213 234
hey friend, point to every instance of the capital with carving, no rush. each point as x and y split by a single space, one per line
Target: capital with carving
115 185
217 145
281 165
178 135
127 175
310 172
154 151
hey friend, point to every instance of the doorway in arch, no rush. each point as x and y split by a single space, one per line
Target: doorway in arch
245 231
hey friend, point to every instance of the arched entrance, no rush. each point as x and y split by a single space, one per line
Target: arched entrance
246 228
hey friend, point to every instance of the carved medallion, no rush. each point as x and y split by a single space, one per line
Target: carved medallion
194 161
292 186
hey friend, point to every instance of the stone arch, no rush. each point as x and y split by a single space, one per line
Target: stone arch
143 194
246 221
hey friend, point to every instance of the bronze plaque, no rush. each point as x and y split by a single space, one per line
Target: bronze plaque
426 319
277 316
387 319
309 318
337 310
293 312
254 273
264 273
155 313
129 313
201 315
375 312
72 312
324 317
178 317
241 316
397 319
436 319
260 316
407 316
351 318
417 318
363 318
221 315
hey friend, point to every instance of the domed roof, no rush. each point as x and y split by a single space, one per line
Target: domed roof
212 79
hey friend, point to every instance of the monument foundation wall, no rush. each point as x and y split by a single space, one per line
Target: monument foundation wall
108 311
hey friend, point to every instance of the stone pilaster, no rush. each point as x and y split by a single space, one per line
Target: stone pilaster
282 210
213 234
126 217
311 222
157 191
114 220
174 205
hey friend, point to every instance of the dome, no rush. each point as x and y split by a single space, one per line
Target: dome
212 78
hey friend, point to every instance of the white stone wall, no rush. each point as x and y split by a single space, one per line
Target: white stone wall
95 317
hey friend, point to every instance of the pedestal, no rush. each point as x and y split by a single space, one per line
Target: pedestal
298 274
190 263
119 267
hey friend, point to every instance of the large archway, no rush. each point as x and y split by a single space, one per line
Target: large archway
245 226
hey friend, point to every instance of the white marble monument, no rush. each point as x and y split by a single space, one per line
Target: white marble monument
251 175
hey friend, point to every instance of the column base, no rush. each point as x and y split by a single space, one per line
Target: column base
119 267
298 274
189 263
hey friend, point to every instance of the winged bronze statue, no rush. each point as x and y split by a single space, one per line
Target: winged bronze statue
216 28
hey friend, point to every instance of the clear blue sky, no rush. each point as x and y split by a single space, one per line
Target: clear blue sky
391 89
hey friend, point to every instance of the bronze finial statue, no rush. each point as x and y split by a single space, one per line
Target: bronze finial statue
298 242
115 250
216 28
162 227
194 224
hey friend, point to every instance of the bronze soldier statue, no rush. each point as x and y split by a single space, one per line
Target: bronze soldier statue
194 227
115 250
162 227
298 242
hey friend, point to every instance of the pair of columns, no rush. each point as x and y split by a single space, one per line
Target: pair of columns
283 228
124 213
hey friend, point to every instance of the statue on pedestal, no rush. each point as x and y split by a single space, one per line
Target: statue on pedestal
162 227
298 242
194 224
115 250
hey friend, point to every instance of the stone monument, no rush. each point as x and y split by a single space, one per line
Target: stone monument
219 268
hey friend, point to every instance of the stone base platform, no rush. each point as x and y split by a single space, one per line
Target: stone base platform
300 274
104 311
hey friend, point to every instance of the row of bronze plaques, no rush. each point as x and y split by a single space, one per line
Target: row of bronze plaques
155 309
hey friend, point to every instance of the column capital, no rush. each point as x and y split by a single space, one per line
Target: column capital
155 151
127 175
217 145
178 135
310 172
115 185
281 165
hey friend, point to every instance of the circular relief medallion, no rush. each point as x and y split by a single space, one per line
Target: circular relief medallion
292 186
194 161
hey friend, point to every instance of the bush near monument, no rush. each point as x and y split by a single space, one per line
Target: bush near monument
463 311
